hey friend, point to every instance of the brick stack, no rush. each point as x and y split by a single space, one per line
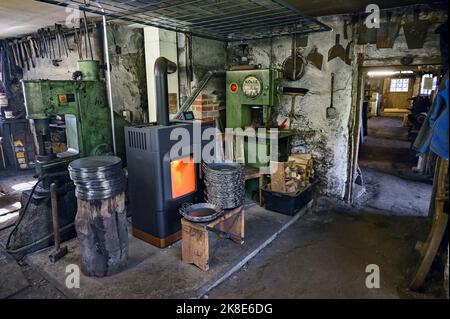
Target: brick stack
173 103
206 107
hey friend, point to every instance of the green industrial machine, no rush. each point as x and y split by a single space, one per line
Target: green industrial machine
77 106
75 113
251 96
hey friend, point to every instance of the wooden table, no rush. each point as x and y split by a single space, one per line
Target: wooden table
195 244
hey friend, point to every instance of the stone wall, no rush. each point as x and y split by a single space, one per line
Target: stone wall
126 48
326 138
331 140
429 54
205 55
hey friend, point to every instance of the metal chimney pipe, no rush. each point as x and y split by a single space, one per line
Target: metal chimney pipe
163 67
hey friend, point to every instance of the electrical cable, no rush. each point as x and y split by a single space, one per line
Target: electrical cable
19 220
40 240
11 212
6 227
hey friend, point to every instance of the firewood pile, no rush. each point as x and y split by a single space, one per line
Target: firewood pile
292 176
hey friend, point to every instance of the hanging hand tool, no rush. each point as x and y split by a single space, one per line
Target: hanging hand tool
387 33
33 46
40 44
50 39
336 51
57 40
294 65
29 51
45 43
78 43
315 58
346 24
16 59
348 58
19 53
24 54
86 37
331 110
59 251
87 33
416 31
365 34
64 40
61 44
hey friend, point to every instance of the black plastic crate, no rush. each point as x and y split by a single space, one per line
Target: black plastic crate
288 204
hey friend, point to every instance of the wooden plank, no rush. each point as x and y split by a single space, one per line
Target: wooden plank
277 177
234 227
225 216
195 244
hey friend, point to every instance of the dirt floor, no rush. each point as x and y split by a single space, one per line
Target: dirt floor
324 254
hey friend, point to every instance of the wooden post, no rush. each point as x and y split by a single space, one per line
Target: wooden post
102 231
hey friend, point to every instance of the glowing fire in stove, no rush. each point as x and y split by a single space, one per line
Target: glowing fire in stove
182 173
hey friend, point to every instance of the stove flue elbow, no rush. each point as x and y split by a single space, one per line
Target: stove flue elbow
163 67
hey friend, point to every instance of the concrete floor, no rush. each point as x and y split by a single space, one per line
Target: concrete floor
160 273
323 254
386 149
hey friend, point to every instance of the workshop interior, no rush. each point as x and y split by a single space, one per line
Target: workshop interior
224 149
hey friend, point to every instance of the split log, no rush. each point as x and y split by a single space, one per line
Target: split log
102 231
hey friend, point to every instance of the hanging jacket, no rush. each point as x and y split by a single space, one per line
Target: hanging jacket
439 121
437 126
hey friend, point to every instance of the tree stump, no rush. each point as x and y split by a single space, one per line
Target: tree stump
102 231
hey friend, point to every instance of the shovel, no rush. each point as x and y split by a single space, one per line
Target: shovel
387 33
331 110
315 58
348 58
337 51
366 35
415 32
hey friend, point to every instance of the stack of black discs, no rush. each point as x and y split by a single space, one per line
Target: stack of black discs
97 177
225 184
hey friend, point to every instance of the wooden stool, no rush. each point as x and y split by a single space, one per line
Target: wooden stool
195 244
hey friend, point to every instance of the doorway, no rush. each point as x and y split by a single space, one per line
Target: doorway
394 104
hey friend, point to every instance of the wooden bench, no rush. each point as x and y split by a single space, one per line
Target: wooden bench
195 244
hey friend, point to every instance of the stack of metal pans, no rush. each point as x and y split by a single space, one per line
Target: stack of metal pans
225 184
97 177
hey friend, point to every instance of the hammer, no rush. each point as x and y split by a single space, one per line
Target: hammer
59 252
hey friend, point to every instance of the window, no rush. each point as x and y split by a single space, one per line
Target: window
399 85
428 84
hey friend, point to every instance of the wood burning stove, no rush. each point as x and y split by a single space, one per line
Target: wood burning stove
158 184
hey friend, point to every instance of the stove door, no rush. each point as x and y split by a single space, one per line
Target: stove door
182 174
